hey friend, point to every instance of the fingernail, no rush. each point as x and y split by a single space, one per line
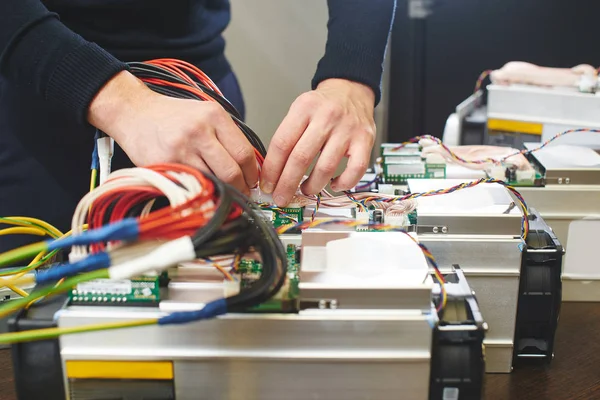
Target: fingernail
267 187
254 186
279 200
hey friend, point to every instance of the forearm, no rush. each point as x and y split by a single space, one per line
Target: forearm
358 31
39 54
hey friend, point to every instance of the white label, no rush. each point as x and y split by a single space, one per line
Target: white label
268 215
438 174
450 393
406 169
402 159
105 286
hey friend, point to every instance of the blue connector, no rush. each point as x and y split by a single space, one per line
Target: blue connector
127 229
210 310
90 263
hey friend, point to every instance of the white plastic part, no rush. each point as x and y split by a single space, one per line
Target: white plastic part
527 175
167 255
374 259
231 288
587 83
106 148
498 172
77 254
258 196
427 143
386 189
121 254
451 135
362 217
397 220
435 158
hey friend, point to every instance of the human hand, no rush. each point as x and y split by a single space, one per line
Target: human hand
153 129
335 119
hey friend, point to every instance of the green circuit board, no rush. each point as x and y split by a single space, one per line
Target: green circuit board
143 290
283 216
287 299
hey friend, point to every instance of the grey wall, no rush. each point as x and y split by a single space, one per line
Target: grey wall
274 47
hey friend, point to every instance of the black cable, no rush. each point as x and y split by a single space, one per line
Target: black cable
218 219
263 238
142 70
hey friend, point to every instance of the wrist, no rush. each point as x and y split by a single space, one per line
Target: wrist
115 101
352 88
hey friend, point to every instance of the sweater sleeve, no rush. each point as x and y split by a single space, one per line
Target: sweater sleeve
357 37
40 54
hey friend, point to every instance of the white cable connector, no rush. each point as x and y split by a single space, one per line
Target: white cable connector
106 148
168 255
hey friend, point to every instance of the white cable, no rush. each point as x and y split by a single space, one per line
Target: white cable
106 147
130 251
176 195
147 208
167 255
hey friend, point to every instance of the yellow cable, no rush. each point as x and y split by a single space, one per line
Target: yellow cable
93 179
37 258
18 290
50 228
20 230
19 279
50 333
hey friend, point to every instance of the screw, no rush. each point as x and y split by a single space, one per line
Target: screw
322 304
560 181
444 229
435 229
567 180
333 304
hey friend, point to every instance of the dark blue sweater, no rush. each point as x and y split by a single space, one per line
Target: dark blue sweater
66 61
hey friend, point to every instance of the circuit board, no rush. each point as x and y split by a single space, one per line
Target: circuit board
139 291
287 299
283 216
399 164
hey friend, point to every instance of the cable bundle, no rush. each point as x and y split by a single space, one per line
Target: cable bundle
492 161
127 238
179 79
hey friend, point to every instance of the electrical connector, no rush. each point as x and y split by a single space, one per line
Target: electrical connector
106 148
165 256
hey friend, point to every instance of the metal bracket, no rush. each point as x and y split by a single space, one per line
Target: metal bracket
322 304
435 229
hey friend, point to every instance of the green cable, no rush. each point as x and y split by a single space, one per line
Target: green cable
52 333
68 284
22 253
8 221
17 270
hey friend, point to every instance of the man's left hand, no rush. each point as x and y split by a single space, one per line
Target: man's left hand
335 119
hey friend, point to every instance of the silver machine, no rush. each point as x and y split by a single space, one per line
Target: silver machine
568 195
365 326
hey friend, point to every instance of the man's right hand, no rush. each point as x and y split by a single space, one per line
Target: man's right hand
153 129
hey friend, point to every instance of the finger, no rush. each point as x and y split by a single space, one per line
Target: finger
222 164
358 162
236 144
331 156
281 146
300 159
196 162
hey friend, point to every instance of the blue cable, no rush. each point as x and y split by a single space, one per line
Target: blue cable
95 158
210 310
88 264
127 229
